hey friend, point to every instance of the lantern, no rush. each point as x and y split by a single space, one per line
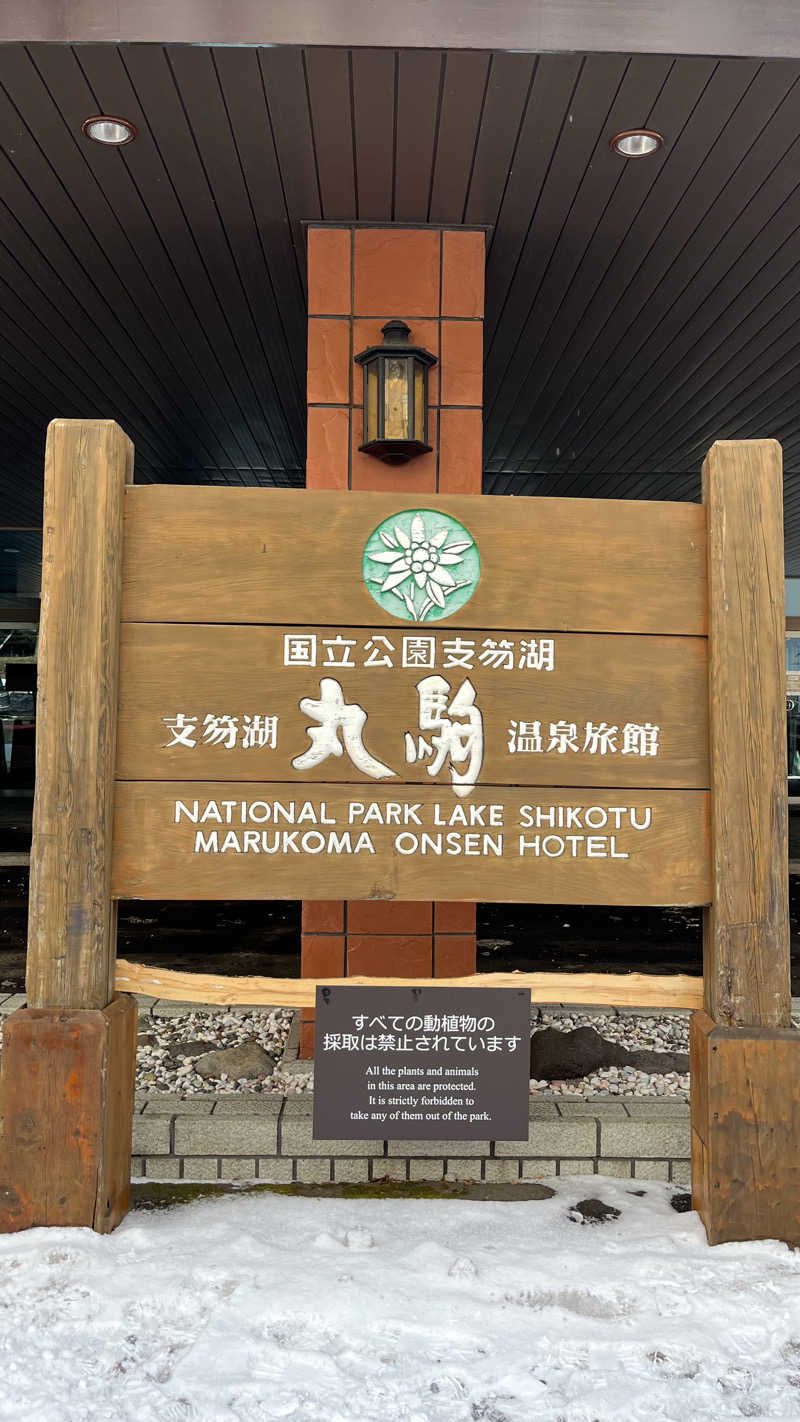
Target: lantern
395 395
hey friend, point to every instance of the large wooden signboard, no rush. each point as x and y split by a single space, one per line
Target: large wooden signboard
364 697
259 694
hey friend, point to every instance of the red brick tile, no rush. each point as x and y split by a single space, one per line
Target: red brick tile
418 476
396 270
329 271
368 333
389 955
328 436
454 955
380 916
460 451
463 267
323 916
454 918
322 955
462 363
328 369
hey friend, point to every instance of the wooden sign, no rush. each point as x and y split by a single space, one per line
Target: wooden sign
344 696
438 730
211 703
218 841
286 556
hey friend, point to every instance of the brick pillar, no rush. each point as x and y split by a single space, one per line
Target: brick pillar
359 277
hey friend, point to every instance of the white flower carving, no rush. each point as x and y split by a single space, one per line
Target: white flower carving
418 567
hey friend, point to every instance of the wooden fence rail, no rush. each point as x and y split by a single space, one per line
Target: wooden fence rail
597 989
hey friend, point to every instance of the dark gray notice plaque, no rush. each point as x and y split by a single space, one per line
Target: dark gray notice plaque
421 1063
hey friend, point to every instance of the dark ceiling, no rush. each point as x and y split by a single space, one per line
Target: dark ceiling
635 311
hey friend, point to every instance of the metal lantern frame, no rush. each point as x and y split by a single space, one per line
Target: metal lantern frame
395 435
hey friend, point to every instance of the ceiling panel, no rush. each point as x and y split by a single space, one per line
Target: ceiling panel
634 311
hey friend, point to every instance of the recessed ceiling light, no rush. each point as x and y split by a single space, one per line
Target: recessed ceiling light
102 128
637 142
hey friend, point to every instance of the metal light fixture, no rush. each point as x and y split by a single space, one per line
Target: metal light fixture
103 128
395 395
637 142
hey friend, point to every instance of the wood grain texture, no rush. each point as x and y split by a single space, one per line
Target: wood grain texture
66 1099
745 1106
154 856
165 669
238 555
607 989
71 929
746 931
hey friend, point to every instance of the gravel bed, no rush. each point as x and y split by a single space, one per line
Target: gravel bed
619 1081
656 1033
163 1065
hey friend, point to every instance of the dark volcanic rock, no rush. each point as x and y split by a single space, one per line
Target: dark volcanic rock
593 1211
560 1056
657 1062
681 1202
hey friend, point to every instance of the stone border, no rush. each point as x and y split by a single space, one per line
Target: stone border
268 1138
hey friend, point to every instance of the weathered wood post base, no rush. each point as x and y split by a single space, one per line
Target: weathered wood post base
66 1107
745 1106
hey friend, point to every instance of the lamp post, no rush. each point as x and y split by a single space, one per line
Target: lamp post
395 395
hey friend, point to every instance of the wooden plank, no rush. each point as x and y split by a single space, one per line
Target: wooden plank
612 989
419 74
373 88
71 920
746 932
607 225
461 108
66 1096
507 94
600 358
330 103
169 843
646 575
239 671
563 236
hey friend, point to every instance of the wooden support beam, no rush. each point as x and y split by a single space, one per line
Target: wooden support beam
71 919
745 1100
606 989
746 931
68 1064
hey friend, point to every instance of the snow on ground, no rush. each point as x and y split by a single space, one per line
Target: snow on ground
258 1308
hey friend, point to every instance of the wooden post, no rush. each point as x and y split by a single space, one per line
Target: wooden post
70 1060
744 1086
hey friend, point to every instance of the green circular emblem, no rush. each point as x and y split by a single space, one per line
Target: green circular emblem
421 565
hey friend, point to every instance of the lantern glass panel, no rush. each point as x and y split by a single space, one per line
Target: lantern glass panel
420 432
395 395
371 400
